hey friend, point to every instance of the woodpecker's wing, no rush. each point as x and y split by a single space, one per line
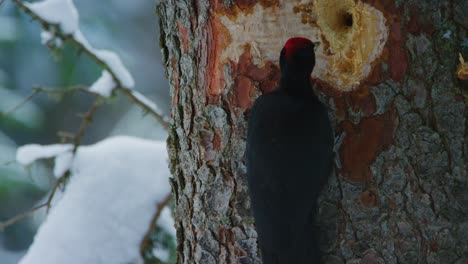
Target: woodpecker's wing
289 157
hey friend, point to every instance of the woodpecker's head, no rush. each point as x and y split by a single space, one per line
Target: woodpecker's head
297 59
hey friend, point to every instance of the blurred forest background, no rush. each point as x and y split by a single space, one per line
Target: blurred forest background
130 28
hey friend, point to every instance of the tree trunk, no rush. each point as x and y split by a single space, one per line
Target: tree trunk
386 70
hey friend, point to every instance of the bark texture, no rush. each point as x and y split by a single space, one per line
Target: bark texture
399 193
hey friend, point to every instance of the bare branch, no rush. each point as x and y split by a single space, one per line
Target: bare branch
8 163
20 217
30 212
125 91
145 107
147 239
64 136
18 106
71 89
87 119
57 185
39 89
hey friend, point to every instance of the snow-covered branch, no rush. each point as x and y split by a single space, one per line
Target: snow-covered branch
59 19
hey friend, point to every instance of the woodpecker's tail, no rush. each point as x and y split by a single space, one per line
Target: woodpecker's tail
304 250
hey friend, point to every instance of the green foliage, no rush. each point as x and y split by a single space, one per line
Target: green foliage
16 196
160 239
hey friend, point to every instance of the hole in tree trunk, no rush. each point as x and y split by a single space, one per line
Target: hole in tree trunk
348 19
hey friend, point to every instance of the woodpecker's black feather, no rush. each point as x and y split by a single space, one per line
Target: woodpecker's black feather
289 158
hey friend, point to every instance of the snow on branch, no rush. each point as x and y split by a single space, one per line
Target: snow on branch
107 59
104 85
60 12
149 105
103 217
63 16
60 19
27 154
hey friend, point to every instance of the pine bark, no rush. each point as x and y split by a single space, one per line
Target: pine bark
399 193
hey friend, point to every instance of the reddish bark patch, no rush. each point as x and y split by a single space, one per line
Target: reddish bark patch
375 77
369 198
216 41
175 77
398 63
413 26
394 52
417 24
184 36
245 3
395 32
398 59
389 6
243 88
246 67
217 141
362 100
340 108
248 75
362 144
269 3
271 82
267 76
434 246
249 4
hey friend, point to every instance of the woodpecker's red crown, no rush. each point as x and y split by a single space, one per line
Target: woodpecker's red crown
293 45
297 59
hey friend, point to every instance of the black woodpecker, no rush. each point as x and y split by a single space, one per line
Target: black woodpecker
289 158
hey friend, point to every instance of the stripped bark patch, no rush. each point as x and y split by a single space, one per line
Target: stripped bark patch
266 25
247 75
243 88
398 60
362 144
363 101
218 37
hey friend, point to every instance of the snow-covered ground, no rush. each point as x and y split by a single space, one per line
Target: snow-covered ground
105 211
10 257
